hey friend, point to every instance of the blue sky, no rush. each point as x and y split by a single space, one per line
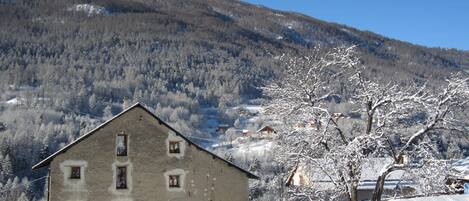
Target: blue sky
433 23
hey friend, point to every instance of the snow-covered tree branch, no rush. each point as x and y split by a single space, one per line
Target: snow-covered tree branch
393 121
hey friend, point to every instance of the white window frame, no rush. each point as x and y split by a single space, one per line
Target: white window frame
126 140
66 169
175 172
173 137
113 188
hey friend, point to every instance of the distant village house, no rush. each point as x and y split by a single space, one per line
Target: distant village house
222 128
267 130
314 177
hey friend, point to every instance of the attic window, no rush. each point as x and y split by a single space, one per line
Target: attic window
75 172
121 145
121 177
174 147
174 181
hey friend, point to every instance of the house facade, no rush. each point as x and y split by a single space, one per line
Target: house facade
137 157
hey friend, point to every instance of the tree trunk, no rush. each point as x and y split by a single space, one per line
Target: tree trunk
354 192
369 120
354 183
379 188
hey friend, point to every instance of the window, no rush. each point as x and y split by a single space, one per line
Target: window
75 172
174 147
121 145
121 177
174 181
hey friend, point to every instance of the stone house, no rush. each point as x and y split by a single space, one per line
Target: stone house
135 156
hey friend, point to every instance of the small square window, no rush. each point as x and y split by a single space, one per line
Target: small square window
121 177
121 145
174 147
75 173
174 181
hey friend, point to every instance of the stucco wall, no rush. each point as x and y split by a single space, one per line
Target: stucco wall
205 177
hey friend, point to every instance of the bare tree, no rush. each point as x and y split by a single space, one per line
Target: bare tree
442 110
388 112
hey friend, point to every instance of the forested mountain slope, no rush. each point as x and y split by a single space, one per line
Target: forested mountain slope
67 64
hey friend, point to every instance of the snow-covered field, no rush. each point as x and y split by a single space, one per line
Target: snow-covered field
89 9
22 101
253 150
438 198
13 101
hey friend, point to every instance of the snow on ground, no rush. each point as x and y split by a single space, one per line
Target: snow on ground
278 15
250 108
211 119
246 144
255 108
346 30
21 101
89 9
13 101
292 24
253 119
438 198
252 150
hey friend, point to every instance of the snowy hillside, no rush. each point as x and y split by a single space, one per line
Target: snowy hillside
89 9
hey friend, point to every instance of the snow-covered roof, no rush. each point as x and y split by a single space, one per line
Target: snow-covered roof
438 198
371 170
265 128
462 168
388 184
46 161
13 101
20 101
254 108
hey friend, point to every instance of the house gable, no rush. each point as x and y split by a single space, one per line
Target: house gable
267 129
164 126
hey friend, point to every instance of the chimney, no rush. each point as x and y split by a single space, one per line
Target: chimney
125 104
